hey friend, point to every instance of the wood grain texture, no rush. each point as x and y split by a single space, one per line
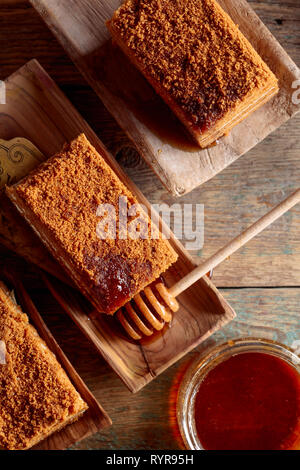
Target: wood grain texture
232 199
80 28
236 243
95 418
37 110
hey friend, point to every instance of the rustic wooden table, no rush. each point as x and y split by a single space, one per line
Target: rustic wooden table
262 281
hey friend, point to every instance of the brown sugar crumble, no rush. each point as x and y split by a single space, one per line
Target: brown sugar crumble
197 59
36 396
60 201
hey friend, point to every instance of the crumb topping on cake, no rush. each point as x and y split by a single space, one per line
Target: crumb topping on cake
35 393
194 51
64 194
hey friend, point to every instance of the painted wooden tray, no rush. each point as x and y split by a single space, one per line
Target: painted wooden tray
80 28
95 418
37 110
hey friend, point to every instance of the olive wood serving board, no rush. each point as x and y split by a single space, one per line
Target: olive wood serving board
95 418
157 135
37 110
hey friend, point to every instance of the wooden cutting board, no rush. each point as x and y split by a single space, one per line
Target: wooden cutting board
37 110
158 136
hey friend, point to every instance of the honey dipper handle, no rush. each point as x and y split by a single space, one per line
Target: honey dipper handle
235 244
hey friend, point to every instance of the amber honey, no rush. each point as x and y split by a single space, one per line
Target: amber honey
251 401
243 396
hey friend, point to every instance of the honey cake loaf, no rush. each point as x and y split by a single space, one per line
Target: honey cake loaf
197 60
36 396
60 200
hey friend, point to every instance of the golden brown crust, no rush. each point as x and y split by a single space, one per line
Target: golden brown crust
36 396
60 201
195 57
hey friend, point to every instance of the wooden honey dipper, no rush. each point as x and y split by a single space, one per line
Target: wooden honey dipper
137 309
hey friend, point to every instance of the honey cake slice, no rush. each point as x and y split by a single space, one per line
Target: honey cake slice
197 60
60 200
36 396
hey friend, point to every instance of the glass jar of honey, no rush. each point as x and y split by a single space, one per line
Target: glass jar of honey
241 395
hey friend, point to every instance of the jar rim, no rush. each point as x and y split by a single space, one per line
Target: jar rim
208 360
